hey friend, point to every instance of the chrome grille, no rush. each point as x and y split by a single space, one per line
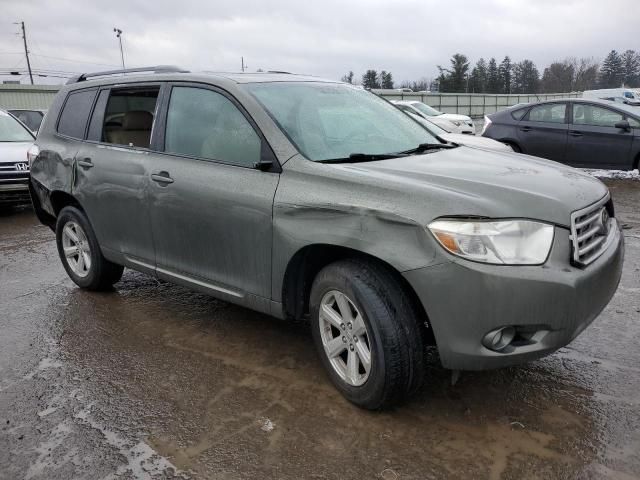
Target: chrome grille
591 228
21 167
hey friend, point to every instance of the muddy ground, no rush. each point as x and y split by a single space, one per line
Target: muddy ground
153 381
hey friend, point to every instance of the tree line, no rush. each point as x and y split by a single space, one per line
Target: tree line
569 75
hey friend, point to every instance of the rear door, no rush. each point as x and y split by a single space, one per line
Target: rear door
112 172
543 131
594 141
211 208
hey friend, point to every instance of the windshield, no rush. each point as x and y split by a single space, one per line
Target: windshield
426 109
12 131
334 121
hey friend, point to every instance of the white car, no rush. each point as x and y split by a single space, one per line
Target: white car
621 95
459 138
15 141
449 121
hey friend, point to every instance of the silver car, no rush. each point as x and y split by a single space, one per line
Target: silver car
15 141
307 198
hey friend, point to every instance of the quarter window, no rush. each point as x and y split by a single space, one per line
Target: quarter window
206 124
596 116
74 116
518 114
548 113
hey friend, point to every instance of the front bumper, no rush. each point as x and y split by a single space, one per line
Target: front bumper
465 300
15 192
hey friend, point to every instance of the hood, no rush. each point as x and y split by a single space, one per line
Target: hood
453 116
465 181
14 152
477 142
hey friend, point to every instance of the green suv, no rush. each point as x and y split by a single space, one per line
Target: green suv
306 198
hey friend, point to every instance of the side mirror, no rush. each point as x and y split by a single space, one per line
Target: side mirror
623 125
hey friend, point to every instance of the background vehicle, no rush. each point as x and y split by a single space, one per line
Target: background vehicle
578 132
449 121
621 95
297 197
15 141
459 138
31 118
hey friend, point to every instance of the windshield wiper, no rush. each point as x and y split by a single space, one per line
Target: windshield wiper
363 157
423 147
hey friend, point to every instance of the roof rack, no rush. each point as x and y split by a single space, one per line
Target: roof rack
155 69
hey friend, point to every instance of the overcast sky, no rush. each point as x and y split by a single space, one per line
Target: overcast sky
325 38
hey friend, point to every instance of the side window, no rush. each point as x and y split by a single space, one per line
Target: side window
548 113
596 116
128 116
75 113
203 123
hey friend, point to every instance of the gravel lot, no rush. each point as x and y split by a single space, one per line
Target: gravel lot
154 381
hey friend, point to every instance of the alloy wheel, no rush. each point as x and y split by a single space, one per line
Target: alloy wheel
345 338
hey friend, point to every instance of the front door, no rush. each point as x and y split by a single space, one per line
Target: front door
211 208
594 141
543 131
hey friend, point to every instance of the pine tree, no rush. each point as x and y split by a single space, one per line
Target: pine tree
385 80
454 79
525 77
504 73
612 71
493 77
479 77
348 78
370 79
631 68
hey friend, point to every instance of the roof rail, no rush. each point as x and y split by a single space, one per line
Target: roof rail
155 69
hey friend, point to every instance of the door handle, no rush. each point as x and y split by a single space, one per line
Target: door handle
162 178
525 129
85 163
575 133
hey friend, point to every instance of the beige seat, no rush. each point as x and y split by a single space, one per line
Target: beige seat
135 130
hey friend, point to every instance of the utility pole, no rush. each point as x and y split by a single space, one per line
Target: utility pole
119 35
26 50
242 63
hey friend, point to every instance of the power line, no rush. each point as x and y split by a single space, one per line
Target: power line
74 61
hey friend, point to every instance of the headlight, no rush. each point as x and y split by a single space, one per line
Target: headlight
505 242
456 123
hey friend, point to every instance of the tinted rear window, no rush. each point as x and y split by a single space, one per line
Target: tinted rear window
75 113
518 114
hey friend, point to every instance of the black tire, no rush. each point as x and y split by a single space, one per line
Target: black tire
516 148
391 319
102 273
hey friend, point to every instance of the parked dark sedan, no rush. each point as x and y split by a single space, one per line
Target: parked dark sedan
583 133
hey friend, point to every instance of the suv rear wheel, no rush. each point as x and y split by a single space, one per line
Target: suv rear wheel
80 253
365 329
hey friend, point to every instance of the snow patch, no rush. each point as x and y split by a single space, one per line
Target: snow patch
617 174
266 425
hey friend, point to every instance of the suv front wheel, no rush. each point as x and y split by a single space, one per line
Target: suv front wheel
365 328
80 253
